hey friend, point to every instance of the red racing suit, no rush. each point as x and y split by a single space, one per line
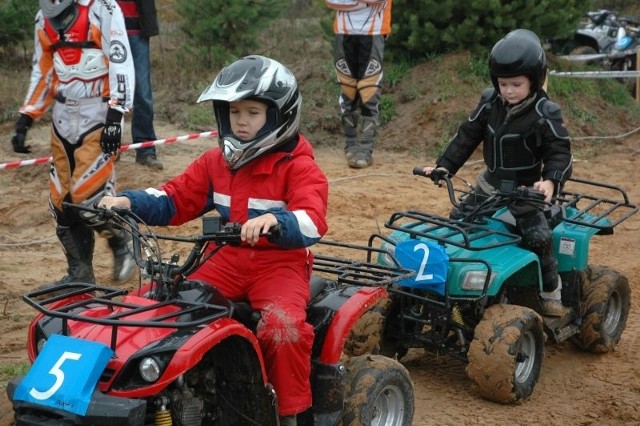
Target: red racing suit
79 75
272 275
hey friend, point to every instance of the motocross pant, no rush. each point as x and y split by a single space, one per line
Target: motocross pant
80 173
358 63
276 283
537 237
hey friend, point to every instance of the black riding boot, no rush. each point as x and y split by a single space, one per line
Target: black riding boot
121 247
350 128
78 242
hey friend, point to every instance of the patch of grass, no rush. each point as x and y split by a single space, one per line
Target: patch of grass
387 109
10 370
473 70
395 72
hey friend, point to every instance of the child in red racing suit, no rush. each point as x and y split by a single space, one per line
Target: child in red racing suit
262 174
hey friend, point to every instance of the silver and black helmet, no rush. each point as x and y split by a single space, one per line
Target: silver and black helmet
262 79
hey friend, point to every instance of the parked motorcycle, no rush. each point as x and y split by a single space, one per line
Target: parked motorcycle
176 351
610 40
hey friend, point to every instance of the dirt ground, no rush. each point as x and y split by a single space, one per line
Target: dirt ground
575 388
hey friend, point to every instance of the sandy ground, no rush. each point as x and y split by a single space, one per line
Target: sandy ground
575 388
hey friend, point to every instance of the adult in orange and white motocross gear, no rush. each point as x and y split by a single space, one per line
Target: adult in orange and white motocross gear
83 69
361 27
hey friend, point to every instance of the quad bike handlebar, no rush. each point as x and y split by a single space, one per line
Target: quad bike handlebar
146 250
68 301
583 204
489 204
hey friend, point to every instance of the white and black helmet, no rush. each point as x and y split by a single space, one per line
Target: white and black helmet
258 78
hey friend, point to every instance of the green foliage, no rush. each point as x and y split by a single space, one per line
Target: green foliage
440 26
474 70
387 109
16 27
394 72
9 371
221 30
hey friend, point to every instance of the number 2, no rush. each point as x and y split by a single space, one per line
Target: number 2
421 275
59 375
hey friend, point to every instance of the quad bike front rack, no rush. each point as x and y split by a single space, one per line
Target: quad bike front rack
364 271
81 298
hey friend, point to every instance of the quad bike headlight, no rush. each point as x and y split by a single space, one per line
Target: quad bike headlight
149 369
474 280
40 344
386 258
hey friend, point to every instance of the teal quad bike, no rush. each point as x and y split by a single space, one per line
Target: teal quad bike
476 292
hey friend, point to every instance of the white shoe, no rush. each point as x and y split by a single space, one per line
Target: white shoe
552 302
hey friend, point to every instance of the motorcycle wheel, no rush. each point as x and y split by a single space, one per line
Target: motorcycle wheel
378 391
605 305
584 50
505 356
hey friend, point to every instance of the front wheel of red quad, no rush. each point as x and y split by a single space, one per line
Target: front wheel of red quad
378 391
605 304
505 356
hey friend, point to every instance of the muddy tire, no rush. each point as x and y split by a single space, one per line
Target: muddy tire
378 391
605 304
364 337
505 356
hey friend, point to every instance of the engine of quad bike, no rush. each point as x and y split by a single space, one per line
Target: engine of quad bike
226 387
430 323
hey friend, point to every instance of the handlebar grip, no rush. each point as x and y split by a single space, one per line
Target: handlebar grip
419 171
275 231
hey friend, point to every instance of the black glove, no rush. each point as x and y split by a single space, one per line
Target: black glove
22 125
112 132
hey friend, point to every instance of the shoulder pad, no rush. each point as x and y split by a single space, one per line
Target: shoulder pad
487 95
549 109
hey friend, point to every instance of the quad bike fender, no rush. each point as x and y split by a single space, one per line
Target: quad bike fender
571 246
197 346
345 318
506 262
194 349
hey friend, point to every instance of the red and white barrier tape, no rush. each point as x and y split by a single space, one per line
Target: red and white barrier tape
148 144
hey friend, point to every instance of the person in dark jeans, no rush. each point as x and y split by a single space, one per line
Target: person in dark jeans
142 23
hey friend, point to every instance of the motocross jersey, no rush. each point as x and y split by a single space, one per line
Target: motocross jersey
361 17
287 184
520 144
92 60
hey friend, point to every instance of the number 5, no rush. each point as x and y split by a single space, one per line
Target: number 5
59 375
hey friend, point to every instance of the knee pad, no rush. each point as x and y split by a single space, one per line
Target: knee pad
369 87
536 234
348 84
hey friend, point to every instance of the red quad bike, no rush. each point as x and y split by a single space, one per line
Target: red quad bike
176 351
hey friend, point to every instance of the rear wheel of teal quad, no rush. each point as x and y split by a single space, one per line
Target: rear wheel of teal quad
505 356
378 391
605 304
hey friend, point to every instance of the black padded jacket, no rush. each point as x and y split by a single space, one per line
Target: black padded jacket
519 144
